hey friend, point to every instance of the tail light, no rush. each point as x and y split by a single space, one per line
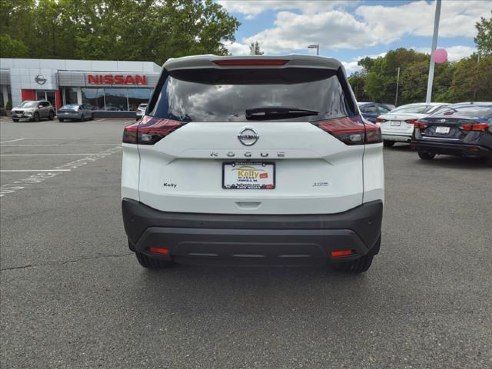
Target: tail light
149 130
351 130
411 121
481 127
419 124
380 120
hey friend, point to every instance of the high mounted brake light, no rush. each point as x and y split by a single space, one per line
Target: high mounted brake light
149 130
351 130
249 62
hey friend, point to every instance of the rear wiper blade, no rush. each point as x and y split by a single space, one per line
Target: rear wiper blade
277 112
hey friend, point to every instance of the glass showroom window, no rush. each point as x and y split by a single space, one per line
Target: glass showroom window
70 95
137 96
93 97
116 99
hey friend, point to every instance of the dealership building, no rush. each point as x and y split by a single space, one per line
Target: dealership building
116 86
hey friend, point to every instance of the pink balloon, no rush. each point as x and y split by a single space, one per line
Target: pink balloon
440 56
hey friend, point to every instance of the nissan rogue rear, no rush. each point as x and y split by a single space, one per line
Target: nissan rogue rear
253 160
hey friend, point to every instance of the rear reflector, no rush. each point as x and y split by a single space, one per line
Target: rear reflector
159 250
351 130
149 130
340 253
482 127
249 62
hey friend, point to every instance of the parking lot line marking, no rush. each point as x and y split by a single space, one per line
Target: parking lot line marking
47 154
17 139
33 170
67 145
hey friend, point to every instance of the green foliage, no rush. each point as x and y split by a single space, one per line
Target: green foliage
254 49
10 48
8 105
484 35
467 80
118 29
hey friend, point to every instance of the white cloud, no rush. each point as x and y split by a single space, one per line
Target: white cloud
329 23
236 48
252 8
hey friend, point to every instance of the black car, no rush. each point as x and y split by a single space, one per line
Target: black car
372 110
462 130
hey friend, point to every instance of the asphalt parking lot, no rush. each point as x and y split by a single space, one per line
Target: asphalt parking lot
73 296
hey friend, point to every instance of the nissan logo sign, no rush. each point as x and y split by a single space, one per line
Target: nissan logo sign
248 136
40 80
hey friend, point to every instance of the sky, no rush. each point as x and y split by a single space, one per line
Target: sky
352 30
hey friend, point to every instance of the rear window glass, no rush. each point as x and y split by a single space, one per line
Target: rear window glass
231 95
419 109
468 111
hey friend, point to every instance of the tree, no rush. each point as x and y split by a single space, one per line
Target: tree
10 48
254 49
358 80
484 36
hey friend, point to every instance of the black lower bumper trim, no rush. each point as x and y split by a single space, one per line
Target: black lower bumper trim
456 149
253 237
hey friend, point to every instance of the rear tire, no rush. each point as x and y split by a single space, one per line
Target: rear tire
424 155
61 119
152 263
36 117
357 266
15 120
51 116
388 143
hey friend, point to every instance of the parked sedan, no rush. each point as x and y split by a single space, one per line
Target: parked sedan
398 125
140 111
75 112
460 130
372 110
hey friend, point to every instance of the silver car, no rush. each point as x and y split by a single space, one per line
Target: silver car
33 110
141 111
75 112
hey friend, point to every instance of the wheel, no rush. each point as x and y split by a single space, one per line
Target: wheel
51 116
152 263
82 118
15 120
92 116
36 117
61 119
357 266
388 143
424 155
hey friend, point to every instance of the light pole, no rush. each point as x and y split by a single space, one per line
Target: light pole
397 83
314 46
434 45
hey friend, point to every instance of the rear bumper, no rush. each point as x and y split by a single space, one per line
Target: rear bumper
253 239
457 149
397 138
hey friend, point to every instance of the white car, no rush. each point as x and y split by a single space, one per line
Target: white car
399 124
140 111
253 160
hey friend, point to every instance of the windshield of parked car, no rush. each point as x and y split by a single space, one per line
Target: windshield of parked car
232 95
28 104
70 107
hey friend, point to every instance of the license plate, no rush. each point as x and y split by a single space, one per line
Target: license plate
394 123
442 130
18 115
248 176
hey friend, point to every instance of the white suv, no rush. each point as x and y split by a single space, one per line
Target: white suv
256 160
